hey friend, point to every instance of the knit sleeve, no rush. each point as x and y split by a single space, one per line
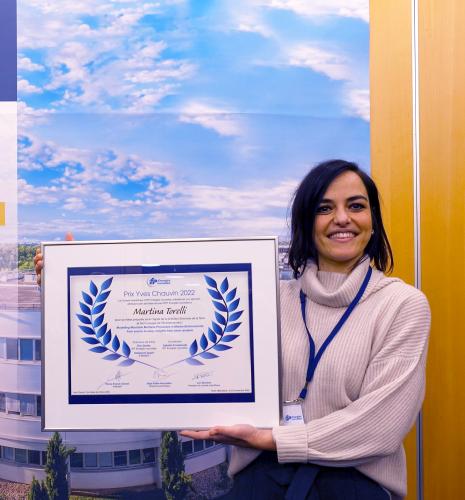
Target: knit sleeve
375 424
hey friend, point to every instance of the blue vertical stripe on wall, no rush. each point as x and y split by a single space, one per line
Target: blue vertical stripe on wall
8 50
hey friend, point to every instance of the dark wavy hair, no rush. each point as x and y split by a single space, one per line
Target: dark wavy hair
305 203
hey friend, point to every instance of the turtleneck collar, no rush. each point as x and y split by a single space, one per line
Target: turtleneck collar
333 289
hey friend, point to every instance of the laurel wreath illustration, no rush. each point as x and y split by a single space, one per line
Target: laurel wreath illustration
217 337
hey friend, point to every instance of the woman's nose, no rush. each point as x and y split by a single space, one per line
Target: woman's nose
341 216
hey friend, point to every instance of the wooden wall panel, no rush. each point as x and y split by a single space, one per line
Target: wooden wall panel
391 144
442 141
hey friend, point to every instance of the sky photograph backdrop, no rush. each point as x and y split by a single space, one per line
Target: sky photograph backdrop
183 118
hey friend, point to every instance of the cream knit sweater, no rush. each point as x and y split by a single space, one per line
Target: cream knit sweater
369 385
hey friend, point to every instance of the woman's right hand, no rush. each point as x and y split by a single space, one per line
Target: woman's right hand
39 259
38 265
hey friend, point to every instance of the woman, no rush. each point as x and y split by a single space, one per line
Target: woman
354 388
353 356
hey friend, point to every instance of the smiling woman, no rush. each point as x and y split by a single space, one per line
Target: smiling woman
343 225
336 219
353 356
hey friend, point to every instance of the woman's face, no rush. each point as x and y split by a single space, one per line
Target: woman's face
343 224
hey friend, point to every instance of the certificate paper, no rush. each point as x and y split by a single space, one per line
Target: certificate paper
160 334
165 334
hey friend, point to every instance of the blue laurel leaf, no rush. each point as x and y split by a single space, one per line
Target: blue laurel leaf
98 321
193 361
208 355
90 340
214 294
210 281
107 337
220 306
115 344
216 328
203 341
87 298
193 348
221 347
101 331
85 309
87 330
233 305
99 348
224 285
229 338
106 284
235 315
93 289
232 326
84 319
99 308
211 335
126 349
111 357
231 295
126 362
102 296
220 318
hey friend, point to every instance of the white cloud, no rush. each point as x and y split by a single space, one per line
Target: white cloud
30 195
244 199
358 103
83 168
83 187
316 8
28 117
74 204
35 231
167 69
24 63
254 27
251 16
24 87
330 64
241 225
84 178
114 64
145 169
223 122
243 15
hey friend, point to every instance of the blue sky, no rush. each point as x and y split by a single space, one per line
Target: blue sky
183 118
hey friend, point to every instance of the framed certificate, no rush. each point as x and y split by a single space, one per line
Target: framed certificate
160 334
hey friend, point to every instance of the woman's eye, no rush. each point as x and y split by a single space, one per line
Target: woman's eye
323 209
357 206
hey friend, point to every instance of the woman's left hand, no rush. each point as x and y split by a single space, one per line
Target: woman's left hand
243 435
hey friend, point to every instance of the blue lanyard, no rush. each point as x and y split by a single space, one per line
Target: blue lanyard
315 357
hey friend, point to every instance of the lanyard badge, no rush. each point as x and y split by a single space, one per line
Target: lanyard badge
292 410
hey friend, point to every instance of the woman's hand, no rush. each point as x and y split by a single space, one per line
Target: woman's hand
38 265
243 435
39 259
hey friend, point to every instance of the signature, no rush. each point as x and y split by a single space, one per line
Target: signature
202 375
160 374
116 378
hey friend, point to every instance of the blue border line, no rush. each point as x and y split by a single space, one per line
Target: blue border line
163 398
172 268
8 51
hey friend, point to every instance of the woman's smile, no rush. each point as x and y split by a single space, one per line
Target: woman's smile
343 237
